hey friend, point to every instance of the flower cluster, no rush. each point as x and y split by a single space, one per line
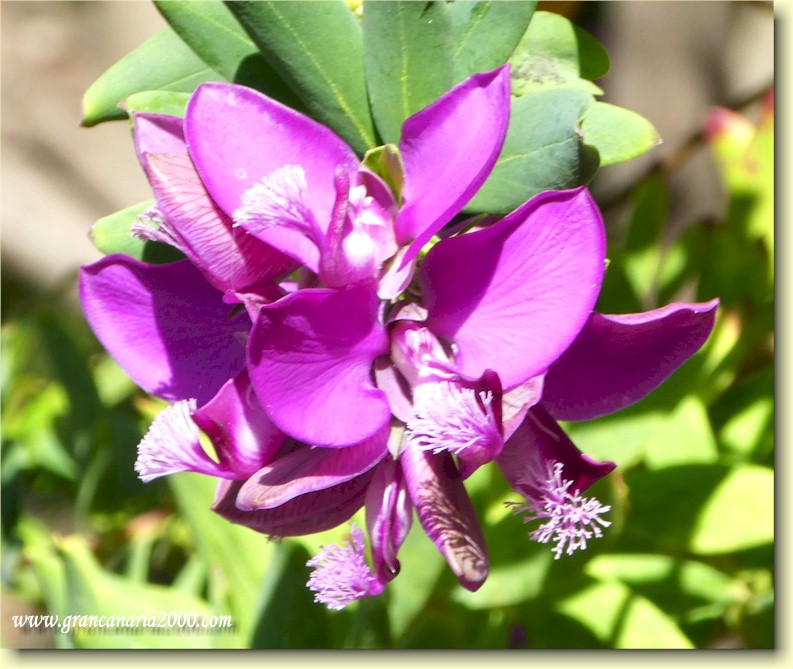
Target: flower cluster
342 346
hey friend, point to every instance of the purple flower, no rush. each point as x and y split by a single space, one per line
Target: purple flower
327 376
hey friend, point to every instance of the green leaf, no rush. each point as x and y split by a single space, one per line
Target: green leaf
287 616
212 32
78 587
386 162
408 57
510 584
317 49
170 103
162 62
664 506
111 234
618 134
682 437
683 588
408 594
555 53
622 619
739 514
238 557
486 33
542 151
744 433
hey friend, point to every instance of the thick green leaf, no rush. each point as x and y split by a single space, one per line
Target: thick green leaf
555 53
162 62
171 103
617 133
623 619
542 151
739 514
486 33
212 32
238 557
408 56
317 49
111 234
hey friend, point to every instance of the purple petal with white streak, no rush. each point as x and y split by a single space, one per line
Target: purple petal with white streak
389 516
230 258
237 135
307 514
446 513
309 469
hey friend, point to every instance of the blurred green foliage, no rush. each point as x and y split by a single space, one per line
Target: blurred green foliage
688 561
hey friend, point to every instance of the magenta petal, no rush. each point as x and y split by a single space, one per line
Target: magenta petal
517 402
618 360
164 325
389 516
395 387
230 258
446 513
237 136
158 133
449 149
310 356
538 441
513 296
485 450
307 514
244 438
310 469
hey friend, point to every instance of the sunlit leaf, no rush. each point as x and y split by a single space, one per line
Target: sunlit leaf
111 234
745 431
163 62
739 514
171 103
623 619
555 53
617 133
683 436
682 588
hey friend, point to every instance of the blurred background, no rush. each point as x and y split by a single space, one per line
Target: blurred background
71 420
